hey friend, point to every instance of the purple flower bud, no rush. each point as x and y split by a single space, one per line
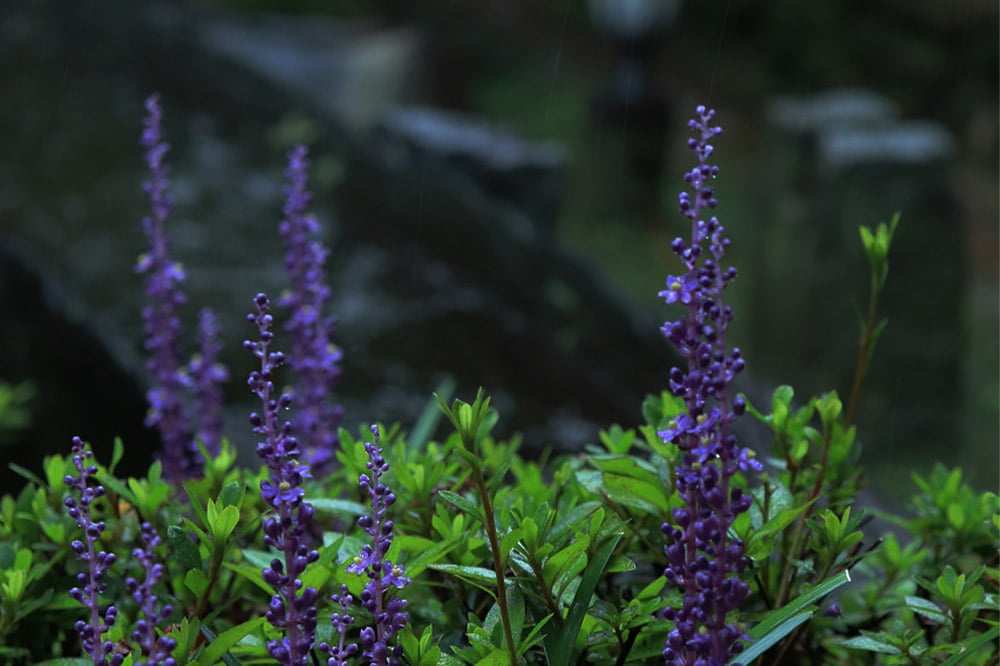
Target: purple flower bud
161 322
314 358
292 608
91 583
700 556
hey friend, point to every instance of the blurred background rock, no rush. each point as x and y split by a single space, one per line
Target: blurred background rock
497 183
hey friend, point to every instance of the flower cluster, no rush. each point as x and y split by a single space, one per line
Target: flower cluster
163 327
702 559
289 610
157 650
207 375
91 582
314 357
388 613
341 621
161 323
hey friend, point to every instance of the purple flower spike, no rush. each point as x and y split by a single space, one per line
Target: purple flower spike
389 613
292 608
160 321
157 650
90 583
207 375
702 559
341 621
314 357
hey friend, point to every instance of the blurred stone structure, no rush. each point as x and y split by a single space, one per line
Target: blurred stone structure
850 161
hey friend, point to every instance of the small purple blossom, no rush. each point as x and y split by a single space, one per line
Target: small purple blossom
314 357
292 608
207 375
388 612
160 321
156 650
90 583
702 559
341 621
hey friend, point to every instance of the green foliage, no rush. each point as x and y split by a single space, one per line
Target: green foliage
14 412
576 541
518 561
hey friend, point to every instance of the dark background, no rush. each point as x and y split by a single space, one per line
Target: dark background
539 283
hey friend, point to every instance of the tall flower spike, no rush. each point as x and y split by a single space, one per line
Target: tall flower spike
388 612
207 374
160 321
314 357
702 559
156 650
90 583
290 611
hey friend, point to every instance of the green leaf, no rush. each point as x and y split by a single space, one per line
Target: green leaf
462 503
196 581
624 490
428 421
926 608
499 657
117 487
221 521
232 494
765 642
182 548
195 502
559 648
871 644
560 561
251 573
338 506
484 579
117 452
761 536
971 647
776 618
222 643
67 661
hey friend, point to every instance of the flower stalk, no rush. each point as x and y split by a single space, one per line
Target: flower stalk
290 611
703 560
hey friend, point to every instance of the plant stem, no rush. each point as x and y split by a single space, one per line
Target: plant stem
864 354
491 532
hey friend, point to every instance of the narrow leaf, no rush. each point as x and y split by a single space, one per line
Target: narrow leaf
972 647
464 504
763 644
222 643
778 617
559 648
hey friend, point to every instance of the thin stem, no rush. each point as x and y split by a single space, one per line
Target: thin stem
786 574
550 602
491 532
864 354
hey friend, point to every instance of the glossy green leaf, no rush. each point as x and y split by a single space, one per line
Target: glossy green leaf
338 507
559 645
972 647
767 641
927 608
776 618
484 579
219 645
196 581
871 644
232 494
182 548
462 503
